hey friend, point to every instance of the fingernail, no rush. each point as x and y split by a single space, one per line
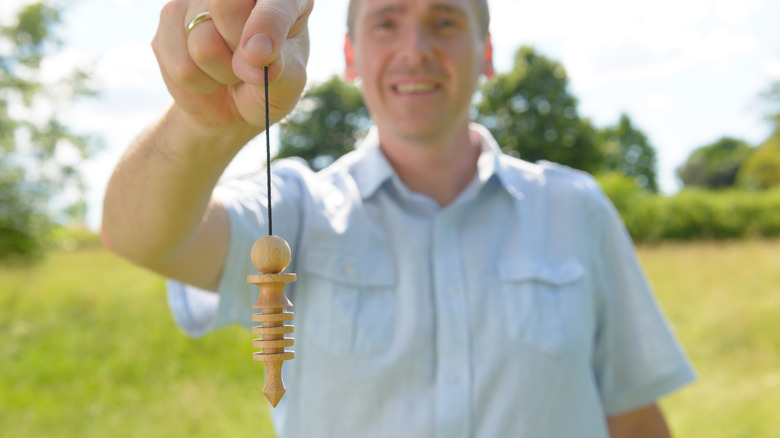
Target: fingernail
259 44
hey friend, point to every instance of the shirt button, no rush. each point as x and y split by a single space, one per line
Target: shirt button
349 270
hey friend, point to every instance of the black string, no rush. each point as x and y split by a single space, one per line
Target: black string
268 153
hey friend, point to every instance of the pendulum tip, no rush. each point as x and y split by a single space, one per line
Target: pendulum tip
274 396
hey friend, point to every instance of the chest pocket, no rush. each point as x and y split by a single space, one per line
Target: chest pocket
541 303
352 300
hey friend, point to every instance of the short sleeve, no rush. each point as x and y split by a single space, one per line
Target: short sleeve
198 312
638 358
193 309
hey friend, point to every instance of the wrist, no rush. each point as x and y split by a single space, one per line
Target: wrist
220 139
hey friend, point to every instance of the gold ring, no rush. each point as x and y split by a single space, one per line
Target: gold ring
200 18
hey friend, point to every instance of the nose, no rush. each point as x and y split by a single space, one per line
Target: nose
416 46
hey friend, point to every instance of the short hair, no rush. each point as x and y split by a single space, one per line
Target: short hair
482 11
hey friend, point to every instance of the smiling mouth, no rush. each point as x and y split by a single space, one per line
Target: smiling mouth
415 88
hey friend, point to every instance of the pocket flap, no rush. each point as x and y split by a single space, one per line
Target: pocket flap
351 267
555 274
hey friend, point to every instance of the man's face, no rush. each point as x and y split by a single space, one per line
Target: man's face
419 62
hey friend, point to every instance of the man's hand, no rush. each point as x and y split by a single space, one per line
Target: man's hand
216 74
157 210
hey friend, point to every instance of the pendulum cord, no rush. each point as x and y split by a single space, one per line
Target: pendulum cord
270 256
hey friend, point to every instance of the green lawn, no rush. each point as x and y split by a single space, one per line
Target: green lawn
88 349
724 301
93 352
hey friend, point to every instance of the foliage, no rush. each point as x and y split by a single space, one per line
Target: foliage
22 226
762 169
532 114
86 363
729 162
626 149
38 154
326 123
623 191
772 98
694 214
629 199
715 165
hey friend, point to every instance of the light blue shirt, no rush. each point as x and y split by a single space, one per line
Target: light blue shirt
519 310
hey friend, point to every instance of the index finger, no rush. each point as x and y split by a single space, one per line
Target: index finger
270 23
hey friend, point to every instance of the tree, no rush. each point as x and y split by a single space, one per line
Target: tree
326 124
772 97
38 154
626 149
531 113
762 169
715 165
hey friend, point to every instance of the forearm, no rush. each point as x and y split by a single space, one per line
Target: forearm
646 422
159 193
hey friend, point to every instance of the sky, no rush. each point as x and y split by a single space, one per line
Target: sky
687 72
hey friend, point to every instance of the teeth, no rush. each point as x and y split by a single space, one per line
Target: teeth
414 88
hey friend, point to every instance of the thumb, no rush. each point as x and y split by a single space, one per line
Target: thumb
265 33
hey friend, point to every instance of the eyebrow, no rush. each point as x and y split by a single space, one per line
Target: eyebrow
437 7
441 7
385 10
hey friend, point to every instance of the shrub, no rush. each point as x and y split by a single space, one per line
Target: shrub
694 214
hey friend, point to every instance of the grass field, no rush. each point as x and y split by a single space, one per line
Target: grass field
88 349
724 301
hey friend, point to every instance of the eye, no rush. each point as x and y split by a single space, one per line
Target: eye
444 23
384 24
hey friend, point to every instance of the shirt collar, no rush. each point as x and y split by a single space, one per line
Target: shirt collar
372 169
492 162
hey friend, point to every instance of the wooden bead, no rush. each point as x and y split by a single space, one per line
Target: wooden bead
271 255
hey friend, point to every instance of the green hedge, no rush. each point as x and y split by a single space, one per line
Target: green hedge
694 214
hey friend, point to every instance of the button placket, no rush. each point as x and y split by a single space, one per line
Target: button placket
452 336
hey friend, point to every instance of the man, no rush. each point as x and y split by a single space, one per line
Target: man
444 289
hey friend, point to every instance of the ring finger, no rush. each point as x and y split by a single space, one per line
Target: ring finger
171 49
209 50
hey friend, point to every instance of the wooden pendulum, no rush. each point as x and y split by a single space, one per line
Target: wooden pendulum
270 256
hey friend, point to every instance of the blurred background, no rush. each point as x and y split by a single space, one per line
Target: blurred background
680 75
673 106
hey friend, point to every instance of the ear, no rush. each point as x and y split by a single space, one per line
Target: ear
488 70
349 57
